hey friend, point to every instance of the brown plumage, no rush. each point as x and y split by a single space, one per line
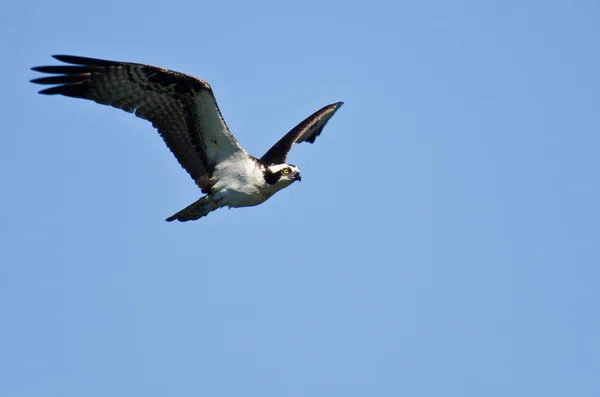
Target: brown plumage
307 131
171 101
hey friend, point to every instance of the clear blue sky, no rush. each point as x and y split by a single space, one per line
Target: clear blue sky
444 241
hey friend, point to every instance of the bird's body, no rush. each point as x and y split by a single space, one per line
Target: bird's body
185 112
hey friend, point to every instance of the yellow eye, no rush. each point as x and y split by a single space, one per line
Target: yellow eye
286 171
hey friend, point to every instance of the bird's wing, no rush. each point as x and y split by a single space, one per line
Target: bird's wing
307 131
182 107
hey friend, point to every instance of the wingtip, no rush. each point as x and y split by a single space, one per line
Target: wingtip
84 61
74 60
51 91
176 218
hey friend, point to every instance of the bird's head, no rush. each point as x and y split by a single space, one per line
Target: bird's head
282 175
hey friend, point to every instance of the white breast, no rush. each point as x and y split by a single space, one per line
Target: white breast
239 182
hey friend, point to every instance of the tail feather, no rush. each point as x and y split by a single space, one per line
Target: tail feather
194 211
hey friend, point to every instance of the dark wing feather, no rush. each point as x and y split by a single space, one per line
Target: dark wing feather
180 106
307 131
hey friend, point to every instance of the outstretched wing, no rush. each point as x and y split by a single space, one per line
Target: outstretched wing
182 107
307 131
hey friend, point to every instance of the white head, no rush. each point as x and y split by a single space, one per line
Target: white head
280 176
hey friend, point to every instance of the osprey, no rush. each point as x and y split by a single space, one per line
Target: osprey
185 112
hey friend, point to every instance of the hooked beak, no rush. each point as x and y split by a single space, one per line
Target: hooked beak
298 177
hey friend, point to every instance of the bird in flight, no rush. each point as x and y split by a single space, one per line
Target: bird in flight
184 110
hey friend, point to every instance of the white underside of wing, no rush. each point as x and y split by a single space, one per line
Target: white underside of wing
220 144
237 180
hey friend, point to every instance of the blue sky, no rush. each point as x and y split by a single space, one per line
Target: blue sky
444 240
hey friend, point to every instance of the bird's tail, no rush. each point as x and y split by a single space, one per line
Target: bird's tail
194 211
